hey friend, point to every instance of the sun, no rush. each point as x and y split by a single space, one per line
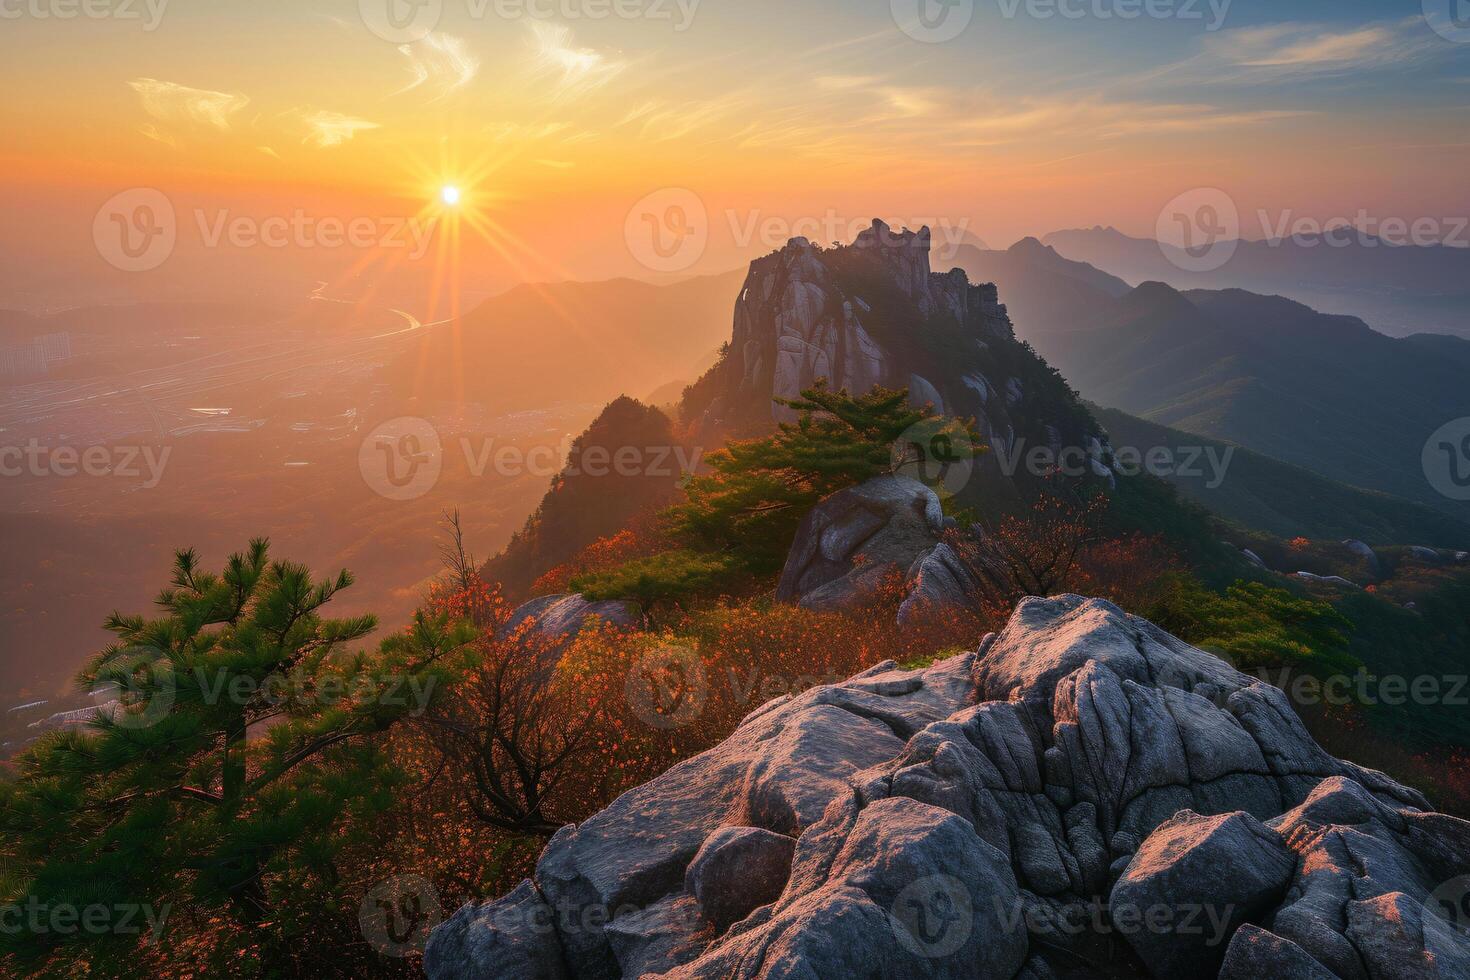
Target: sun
449 194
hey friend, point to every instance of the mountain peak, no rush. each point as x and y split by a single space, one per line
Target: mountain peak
873 314
1156 299
1033 247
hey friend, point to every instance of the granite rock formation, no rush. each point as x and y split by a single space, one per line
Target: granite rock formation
1085 795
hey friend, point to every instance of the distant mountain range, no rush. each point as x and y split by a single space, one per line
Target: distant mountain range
1399 289
1287 501
1323 392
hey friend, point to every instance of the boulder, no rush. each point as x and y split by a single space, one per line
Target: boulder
553 621
1194 881
668 933
979 818
514 938
737 870
863 542
1366 553
910 892
1255 953
887 522
1336 580
937 581
922 393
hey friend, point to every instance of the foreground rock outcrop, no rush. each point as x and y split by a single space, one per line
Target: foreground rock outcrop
1083 796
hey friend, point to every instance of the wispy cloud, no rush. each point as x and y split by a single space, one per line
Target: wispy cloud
440 64
910 101
659 121
1101 119
1316 49
157 135
326 128
1297 50
574 71
174 103
846 83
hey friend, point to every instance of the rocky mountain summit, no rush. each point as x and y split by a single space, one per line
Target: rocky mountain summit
1083 796
874 313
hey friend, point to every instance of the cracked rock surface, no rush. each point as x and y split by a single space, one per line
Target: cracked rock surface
1085 796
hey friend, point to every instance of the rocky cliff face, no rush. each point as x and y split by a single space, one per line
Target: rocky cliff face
873 313
1085 796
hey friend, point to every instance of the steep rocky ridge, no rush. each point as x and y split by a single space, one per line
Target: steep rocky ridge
1084 796
874 313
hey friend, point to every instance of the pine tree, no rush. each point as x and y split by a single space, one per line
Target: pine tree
759 490
241 738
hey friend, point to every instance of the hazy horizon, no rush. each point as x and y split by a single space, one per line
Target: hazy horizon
557 125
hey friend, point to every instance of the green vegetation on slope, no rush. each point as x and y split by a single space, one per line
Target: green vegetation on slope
1285 500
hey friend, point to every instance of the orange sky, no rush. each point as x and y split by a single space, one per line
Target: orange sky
772 119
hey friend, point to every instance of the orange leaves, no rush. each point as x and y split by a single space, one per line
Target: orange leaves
600 556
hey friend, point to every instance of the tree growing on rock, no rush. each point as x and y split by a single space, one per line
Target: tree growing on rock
758 490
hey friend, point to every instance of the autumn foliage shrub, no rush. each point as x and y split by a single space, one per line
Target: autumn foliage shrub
676 691
603 555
